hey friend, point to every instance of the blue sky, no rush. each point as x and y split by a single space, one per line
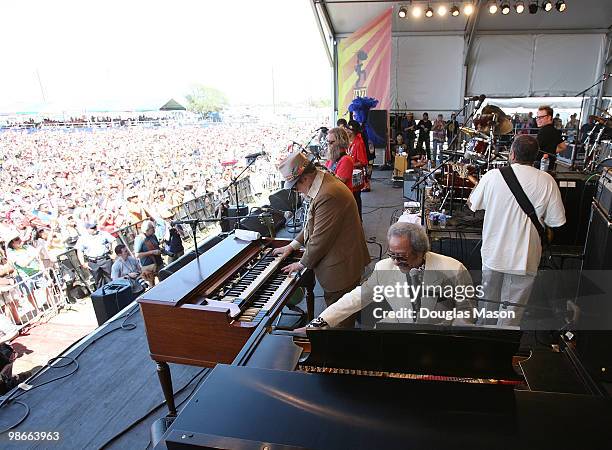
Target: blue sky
134 53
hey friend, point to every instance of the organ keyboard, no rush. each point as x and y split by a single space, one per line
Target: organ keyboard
205 313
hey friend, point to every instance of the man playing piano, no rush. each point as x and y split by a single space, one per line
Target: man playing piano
333 238
418 285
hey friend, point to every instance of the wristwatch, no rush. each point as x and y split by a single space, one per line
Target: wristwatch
318 323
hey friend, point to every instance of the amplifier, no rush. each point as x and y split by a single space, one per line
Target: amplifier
410 179
603 195
577 196
266 226
111 298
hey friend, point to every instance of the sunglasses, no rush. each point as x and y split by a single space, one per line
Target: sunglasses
398 258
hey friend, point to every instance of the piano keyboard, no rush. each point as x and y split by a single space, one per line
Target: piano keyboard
410 376
257 287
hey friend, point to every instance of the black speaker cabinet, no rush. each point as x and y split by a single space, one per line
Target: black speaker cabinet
257 223
594 326
111 298
378 125
285 200
234 211
577 197
175 266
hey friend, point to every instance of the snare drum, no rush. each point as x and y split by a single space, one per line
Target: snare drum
357 177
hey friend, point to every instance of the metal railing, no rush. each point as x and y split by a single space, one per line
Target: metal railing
32 298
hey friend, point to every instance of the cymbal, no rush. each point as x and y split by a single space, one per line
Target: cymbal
503 123
469 131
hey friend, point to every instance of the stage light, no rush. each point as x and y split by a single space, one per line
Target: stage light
454 11
468 9
533 7
519 7
505 8
402 13
560 5
546 5
492 7
442 10
417 11
429 11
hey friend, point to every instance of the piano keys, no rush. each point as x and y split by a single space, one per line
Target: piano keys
205 313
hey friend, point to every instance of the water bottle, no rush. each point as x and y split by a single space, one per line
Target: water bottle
442 219
544 164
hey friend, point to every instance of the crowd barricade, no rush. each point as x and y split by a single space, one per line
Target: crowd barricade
32 297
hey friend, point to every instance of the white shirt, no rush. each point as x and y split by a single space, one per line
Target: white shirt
510 242
96 245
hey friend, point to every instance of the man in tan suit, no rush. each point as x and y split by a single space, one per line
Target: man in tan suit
333 238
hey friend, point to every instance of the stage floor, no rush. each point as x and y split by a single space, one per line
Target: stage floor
116 382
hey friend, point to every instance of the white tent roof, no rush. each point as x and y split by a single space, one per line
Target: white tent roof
347 16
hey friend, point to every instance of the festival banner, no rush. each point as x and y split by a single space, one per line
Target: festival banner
364 64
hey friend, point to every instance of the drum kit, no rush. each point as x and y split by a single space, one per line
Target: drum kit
482 150
598 143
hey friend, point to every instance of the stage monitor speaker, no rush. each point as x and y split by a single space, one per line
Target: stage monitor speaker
181 262
257 223
577 197
378 125
111 298
285 200
603 195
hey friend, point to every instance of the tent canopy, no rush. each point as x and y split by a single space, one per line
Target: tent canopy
172 105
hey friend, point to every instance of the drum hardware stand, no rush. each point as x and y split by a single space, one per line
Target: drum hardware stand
442 163
603 78
593 153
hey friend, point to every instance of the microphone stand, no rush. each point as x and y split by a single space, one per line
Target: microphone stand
235 179
583 93
442 163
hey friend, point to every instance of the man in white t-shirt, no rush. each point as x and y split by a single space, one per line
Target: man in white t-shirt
511 246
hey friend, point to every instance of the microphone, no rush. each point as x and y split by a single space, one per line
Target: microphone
480 98
256 155
298 144
185 222
321 128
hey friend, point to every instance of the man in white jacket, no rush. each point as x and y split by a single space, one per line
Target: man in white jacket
417 285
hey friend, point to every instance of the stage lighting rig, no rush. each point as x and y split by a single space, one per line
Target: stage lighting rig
533 7
454 11
417 11
442 10
402 13
505 8
561 6
429 11
519 7
468 9
547 5
492 7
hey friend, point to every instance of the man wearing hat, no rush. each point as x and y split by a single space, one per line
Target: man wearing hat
94 250
333 238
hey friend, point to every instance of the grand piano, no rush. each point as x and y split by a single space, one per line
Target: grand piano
205 313
422 388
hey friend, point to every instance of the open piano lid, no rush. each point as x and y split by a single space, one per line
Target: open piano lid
428 350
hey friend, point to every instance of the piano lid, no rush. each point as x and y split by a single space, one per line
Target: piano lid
426 350
182 283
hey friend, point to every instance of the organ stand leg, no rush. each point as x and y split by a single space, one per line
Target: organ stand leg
309 285
165 379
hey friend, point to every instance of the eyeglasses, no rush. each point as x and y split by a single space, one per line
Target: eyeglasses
541 117
398 258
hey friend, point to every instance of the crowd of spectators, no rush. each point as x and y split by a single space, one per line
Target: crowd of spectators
57 182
